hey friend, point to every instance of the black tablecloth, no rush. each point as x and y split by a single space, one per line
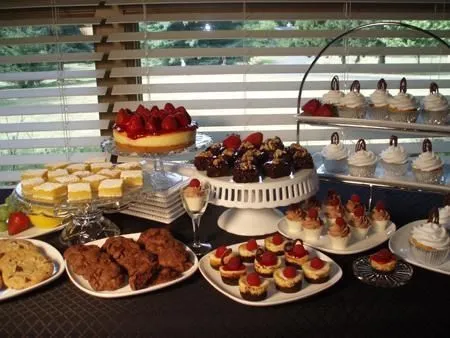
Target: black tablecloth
194 308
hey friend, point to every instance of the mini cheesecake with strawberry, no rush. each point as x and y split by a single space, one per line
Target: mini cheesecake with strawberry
288 279
232 270
316 270
295 254
275 244
221 253
154 130
383 261
252 287
247 251
266 262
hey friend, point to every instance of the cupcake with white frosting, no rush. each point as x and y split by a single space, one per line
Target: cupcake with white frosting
362 163
435 106
428 166
430 242
353 104
403 106
335 155
334 95
379 101
394 159
444 213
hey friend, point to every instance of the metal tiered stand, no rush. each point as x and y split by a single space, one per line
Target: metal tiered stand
418 128
87 222
160 178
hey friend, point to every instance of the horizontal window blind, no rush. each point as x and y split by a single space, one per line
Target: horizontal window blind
66 67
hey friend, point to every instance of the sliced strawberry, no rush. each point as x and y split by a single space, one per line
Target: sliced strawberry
182 119
154 110
355 198
140 110
122 117
325 110
168 107
252 245
232 142
152 124
311 106
253 279
194 183
313 213
255 139
220 251
317 263
181 109
340 221
359 211
289 272
135 126
169 123
268 258
380 206
277 239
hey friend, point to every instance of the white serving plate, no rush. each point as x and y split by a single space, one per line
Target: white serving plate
274 296
354 246
399 245
31 232
126 291
58 269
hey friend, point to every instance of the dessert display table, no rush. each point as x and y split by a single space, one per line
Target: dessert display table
347 309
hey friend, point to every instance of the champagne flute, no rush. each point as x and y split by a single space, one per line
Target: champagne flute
195 199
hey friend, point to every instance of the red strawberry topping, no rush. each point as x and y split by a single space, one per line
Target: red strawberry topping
355 198
340 221
359 211
183 119
220 251
380 206
169 123
317 263
168 107
325 110
122 117
252 245
135 126
383 256
182 109
268 258
154 110
255 139
194 183
234 264
299 251
334 201
313 213
140 110
152 124
289 272
233 141
253 279
311 106
277 239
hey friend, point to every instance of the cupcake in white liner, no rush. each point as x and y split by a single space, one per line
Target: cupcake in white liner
403 107
430 242
394 159
353 104
428 166
360 224
353 203
312 225
379 101
380 217
335 155
294 217
339 234
444 214
362 163
332 208
334 95
435 106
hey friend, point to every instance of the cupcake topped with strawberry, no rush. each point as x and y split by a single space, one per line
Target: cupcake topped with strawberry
275 244
332 203
247 251
312 225
352 203
339 234
295 253
215 258
295 216
360 222
380 217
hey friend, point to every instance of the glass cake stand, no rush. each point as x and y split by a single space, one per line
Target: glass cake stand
87 222
161 179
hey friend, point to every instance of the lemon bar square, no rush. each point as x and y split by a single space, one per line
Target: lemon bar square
82 173
96 167
57 165
95 160
67 179
77 167
53 174
129 166
110 173
31 173
110 188
30 183
79 192
94 181
49 191
132 178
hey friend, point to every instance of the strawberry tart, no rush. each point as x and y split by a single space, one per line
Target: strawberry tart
154 130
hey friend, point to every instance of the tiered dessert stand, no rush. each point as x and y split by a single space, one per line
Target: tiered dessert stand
418 128
86 219
160 178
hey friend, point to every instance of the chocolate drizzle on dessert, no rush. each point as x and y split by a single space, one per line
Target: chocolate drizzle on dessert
433 216
259 253
382 84
335 83
356 86
360 145
393 141
434 88
403 85
290 245
335 138
224 259
427 146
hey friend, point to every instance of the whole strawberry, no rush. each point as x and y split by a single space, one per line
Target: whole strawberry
153 124
232 142
310 107
169 123
135 126
183 119
122 118
255 139
169 108
325 110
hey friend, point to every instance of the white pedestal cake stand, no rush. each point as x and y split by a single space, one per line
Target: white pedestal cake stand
252 205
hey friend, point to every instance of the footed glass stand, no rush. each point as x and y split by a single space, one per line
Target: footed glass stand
87 222
159 178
